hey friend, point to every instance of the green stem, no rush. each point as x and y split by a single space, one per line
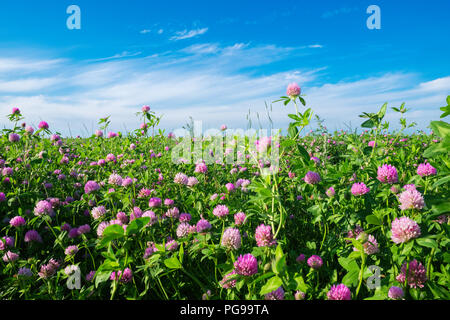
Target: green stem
361 273
53 231
164 291
429 263
194 278
114 289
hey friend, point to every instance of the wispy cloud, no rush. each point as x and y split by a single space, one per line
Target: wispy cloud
203 48
27 84
315 46
145 31
124 54
205 81
26 64
186 34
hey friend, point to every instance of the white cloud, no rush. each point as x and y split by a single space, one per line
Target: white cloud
204 81
124 54
185 34
315 46
203 48
27 65
27 85
145 31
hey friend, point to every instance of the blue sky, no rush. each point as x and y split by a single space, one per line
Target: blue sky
215 60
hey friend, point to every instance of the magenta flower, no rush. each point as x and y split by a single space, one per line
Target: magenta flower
25 272
32 235
151 215
91 186
98 212
71 250
90 276
315 262
417 274
168 202
49 269
404 229
192 181
264 236
246 265
387 174
230 187
183 229
370 246
359 189
263 144
300 258
220 211
171 245
173 213
312 177
73 233
115 179
127 182
124 277
201 168
101 227
226 283
239 218
110 157
84 229
203 225
277 294
396 293
17 221
411 199
7 171
6 242
144 193
43 207
293 90
145 109
231 239
29 129
154 202
149 250
426 169
339 292
330 192
43 125
410 187
185 217
136 213
122 216
181 178
13 137
2 197
10 256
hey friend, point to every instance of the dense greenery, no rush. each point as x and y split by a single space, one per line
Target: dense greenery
305 216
